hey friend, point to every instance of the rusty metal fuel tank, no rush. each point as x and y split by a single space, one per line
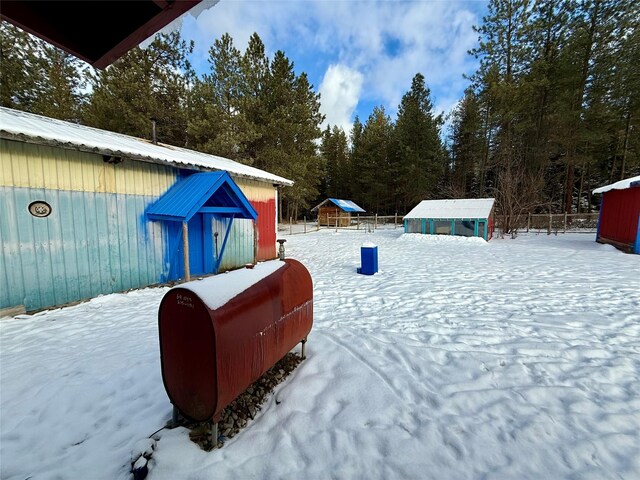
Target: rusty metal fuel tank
220 334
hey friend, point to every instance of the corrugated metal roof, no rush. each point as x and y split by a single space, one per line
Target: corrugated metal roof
458 208
345 205
23 126
207 189
621 185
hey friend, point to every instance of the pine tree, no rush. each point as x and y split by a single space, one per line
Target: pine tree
335 153
466 147
61 95
142 86
420 154
254 103
374 166
293 125
38 77
219 123
355 164
22 75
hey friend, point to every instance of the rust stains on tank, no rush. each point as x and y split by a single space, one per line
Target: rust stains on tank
210 356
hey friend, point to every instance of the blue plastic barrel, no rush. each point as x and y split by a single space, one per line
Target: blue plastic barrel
368 259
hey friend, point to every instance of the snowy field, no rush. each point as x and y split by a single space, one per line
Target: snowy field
514 359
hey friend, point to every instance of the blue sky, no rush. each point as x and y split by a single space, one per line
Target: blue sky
356 54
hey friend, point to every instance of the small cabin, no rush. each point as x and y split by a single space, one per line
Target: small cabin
619 220
334 212
468 217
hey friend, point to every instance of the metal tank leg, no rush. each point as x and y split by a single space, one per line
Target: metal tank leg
214 434
175 416
304 340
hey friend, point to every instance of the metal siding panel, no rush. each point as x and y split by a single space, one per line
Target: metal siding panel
87 221
34 233
69 255
5 288
146 274
262 196
80 243
135 268
122 234
94 235
102 230
619 212
266 229
254 190
115 277
12 285
239 249
37 166
20 166
53 235
63 170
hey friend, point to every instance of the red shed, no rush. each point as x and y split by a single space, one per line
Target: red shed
619 221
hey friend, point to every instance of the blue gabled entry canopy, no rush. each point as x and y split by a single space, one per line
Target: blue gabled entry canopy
206 192
207 195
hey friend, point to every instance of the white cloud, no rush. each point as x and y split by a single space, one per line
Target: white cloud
339 93
387 43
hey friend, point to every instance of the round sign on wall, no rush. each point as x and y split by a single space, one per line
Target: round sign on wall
40 209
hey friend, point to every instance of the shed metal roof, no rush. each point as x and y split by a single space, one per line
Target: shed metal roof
457 208
31 128
344 205
209 192
621 185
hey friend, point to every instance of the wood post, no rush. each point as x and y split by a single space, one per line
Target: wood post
305 224
358 222
375 221
528 222
290 225
550 220
185 248
565 222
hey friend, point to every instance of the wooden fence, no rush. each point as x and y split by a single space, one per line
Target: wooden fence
367 222
534 222
359 222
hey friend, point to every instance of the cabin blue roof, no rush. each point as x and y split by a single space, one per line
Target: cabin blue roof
207 192
344 205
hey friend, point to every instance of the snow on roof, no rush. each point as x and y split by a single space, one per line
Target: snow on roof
458 208
621 185
23 126
344 205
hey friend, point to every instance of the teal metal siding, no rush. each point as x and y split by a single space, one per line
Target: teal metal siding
429 228
91 244
239 249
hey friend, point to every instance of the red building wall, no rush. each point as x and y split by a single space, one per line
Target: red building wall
619 216
266 228
263 196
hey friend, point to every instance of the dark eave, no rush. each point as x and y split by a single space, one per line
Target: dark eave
98 32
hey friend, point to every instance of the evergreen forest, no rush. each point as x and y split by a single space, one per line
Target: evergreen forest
552 112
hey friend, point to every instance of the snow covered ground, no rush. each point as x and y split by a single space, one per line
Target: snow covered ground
459 359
